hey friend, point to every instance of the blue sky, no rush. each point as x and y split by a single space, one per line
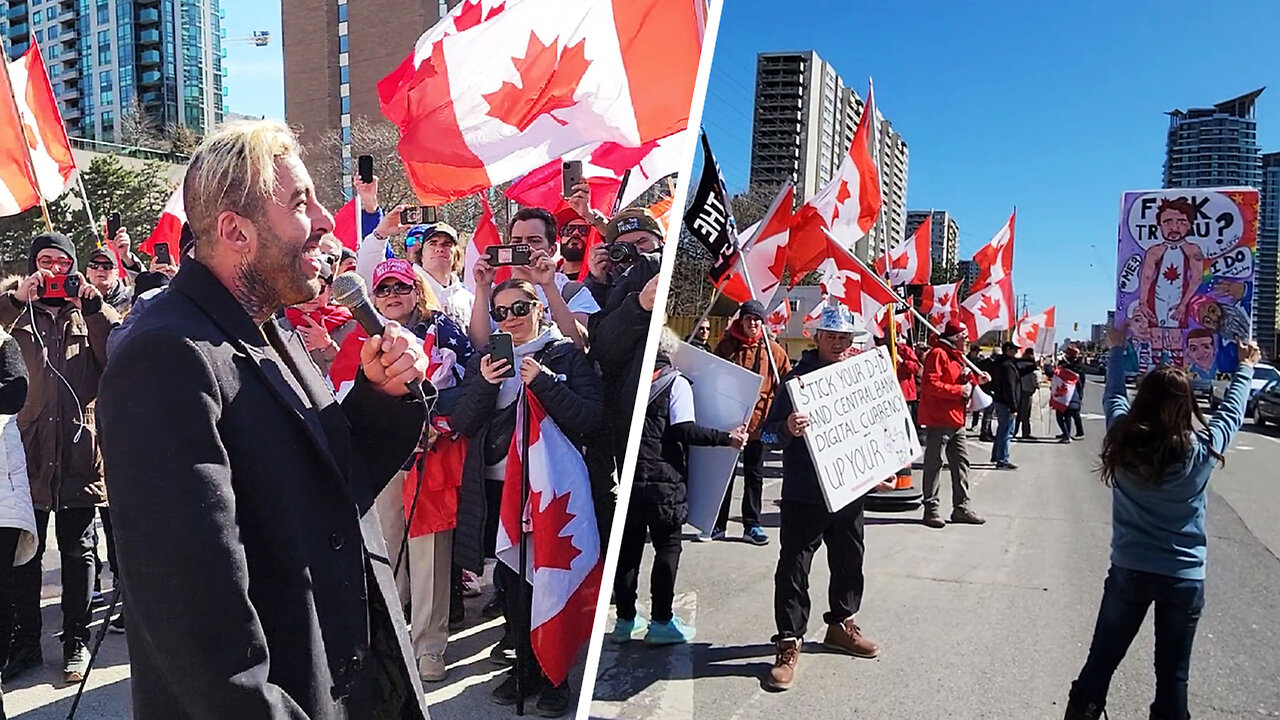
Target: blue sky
1055 108
255 75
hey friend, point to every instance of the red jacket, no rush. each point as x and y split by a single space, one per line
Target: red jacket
908 368
942 402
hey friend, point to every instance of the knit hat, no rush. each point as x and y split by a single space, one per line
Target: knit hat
752 307
952 330
147 281
47 240
630 220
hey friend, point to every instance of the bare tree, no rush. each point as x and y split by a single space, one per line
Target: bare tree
368 137
139 129
182 139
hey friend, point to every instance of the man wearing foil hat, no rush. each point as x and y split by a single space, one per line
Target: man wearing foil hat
807 523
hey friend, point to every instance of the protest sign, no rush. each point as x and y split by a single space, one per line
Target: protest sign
1044 341
860 429
1185 276
723 397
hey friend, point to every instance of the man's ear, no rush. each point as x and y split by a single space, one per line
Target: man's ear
236 232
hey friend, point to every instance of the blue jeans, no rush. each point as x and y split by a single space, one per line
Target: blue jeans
1125 597
1004 433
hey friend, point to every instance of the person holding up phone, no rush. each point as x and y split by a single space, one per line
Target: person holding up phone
559 374
63 338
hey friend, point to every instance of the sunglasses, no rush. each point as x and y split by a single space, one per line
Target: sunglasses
101 265
399 288
519 308
577 230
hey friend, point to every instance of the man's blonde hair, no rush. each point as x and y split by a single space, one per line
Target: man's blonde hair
234 169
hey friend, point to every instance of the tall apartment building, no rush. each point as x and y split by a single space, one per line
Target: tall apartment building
336 51
103 55
1266 324
804 121
968 273
944 234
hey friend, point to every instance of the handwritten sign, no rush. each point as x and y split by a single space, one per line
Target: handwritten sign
860 430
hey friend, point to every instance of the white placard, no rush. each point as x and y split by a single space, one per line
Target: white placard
860 430
724 396
1044 341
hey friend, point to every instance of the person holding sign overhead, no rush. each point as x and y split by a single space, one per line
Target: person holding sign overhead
807 523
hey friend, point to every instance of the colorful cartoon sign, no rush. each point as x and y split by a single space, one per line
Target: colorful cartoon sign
1185 276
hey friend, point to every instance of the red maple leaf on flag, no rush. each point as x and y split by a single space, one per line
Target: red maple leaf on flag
842 194
1060 390
944 300
1033 333
618 158
472 15
560 552
1172 274
548 80
989 308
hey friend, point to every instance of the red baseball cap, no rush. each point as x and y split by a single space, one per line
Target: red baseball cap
953 329
397 268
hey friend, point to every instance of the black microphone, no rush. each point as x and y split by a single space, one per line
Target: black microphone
349 291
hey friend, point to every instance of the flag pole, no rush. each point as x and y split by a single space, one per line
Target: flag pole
883 231
26 151
524 543
88 211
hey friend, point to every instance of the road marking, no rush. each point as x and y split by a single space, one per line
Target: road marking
1244 447
670 692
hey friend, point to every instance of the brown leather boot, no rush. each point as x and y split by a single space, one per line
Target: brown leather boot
933 519
846 637
783 671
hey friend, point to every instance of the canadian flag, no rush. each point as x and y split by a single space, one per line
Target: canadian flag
811 318
498 88
777 320
845 278
1062 387
939 302
1029 328
764 255
989 308
995 259
562 544
846 207
617 175
910 263
35 120
486 234
346 225
168 230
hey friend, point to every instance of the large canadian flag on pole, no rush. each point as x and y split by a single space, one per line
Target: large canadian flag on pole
845 278
1029 328
845 207
989 308
563 559
764 255
995 259
30 115
939 302
911 262
498 88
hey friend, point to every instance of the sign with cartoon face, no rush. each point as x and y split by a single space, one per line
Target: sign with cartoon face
1184 277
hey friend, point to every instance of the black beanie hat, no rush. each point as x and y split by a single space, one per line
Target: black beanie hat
147 281
54 240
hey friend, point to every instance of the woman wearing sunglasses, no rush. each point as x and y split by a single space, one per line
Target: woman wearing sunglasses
567 385
400 293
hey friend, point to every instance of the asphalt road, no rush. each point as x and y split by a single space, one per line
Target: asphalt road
974 622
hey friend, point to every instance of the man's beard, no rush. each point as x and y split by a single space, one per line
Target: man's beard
572 253
274 278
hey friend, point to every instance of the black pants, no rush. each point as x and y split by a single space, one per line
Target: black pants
805 526
752 488
105 513
1064 422
8 548
518 599
666 561
75 533
493 503
1023 426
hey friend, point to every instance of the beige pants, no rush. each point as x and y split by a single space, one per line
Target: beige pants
423 581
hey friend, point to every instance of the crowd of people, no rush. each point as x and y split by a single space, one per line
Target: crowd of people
277 506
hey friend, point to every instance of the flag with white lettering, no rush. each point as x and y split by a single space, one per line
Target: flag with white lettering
710 219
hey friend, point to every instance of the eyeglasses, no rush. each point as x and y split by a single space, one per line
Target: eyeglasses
58 264
575 230
519 308
399 288
101 265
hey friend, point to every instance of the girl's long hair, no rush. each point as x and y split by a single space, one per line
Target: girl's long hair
1157 433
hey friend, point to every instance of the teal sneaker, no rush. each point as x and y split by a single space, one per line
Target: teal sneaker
669 633
624 631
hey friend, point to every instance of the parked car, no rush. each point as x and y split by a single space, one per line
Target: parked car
1266 405
1263 373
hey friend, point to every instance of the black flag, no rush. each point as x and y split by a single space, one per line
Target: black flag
710 218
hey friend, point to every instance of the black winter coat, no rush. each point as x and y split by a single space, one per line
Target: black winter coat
574 404
799 477
242 493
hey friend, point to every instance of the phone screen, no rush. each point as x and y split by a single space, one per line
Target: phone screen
501 348
365 168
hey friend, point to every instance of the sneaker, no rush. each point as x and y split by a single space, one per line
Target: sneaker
1006 466
1079 436
493 608
22 659
986 437
506 693
755 535
98 600
117 624
709 537
75 662
846 637
1064 439
1088 711
470 584
783 672
624 631
933 519
431 668
965 516
672 632
554 701
504 653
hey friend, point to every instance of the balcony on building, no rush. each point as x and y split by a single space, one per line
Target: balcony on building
149 16
149 57
149 78
149 37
